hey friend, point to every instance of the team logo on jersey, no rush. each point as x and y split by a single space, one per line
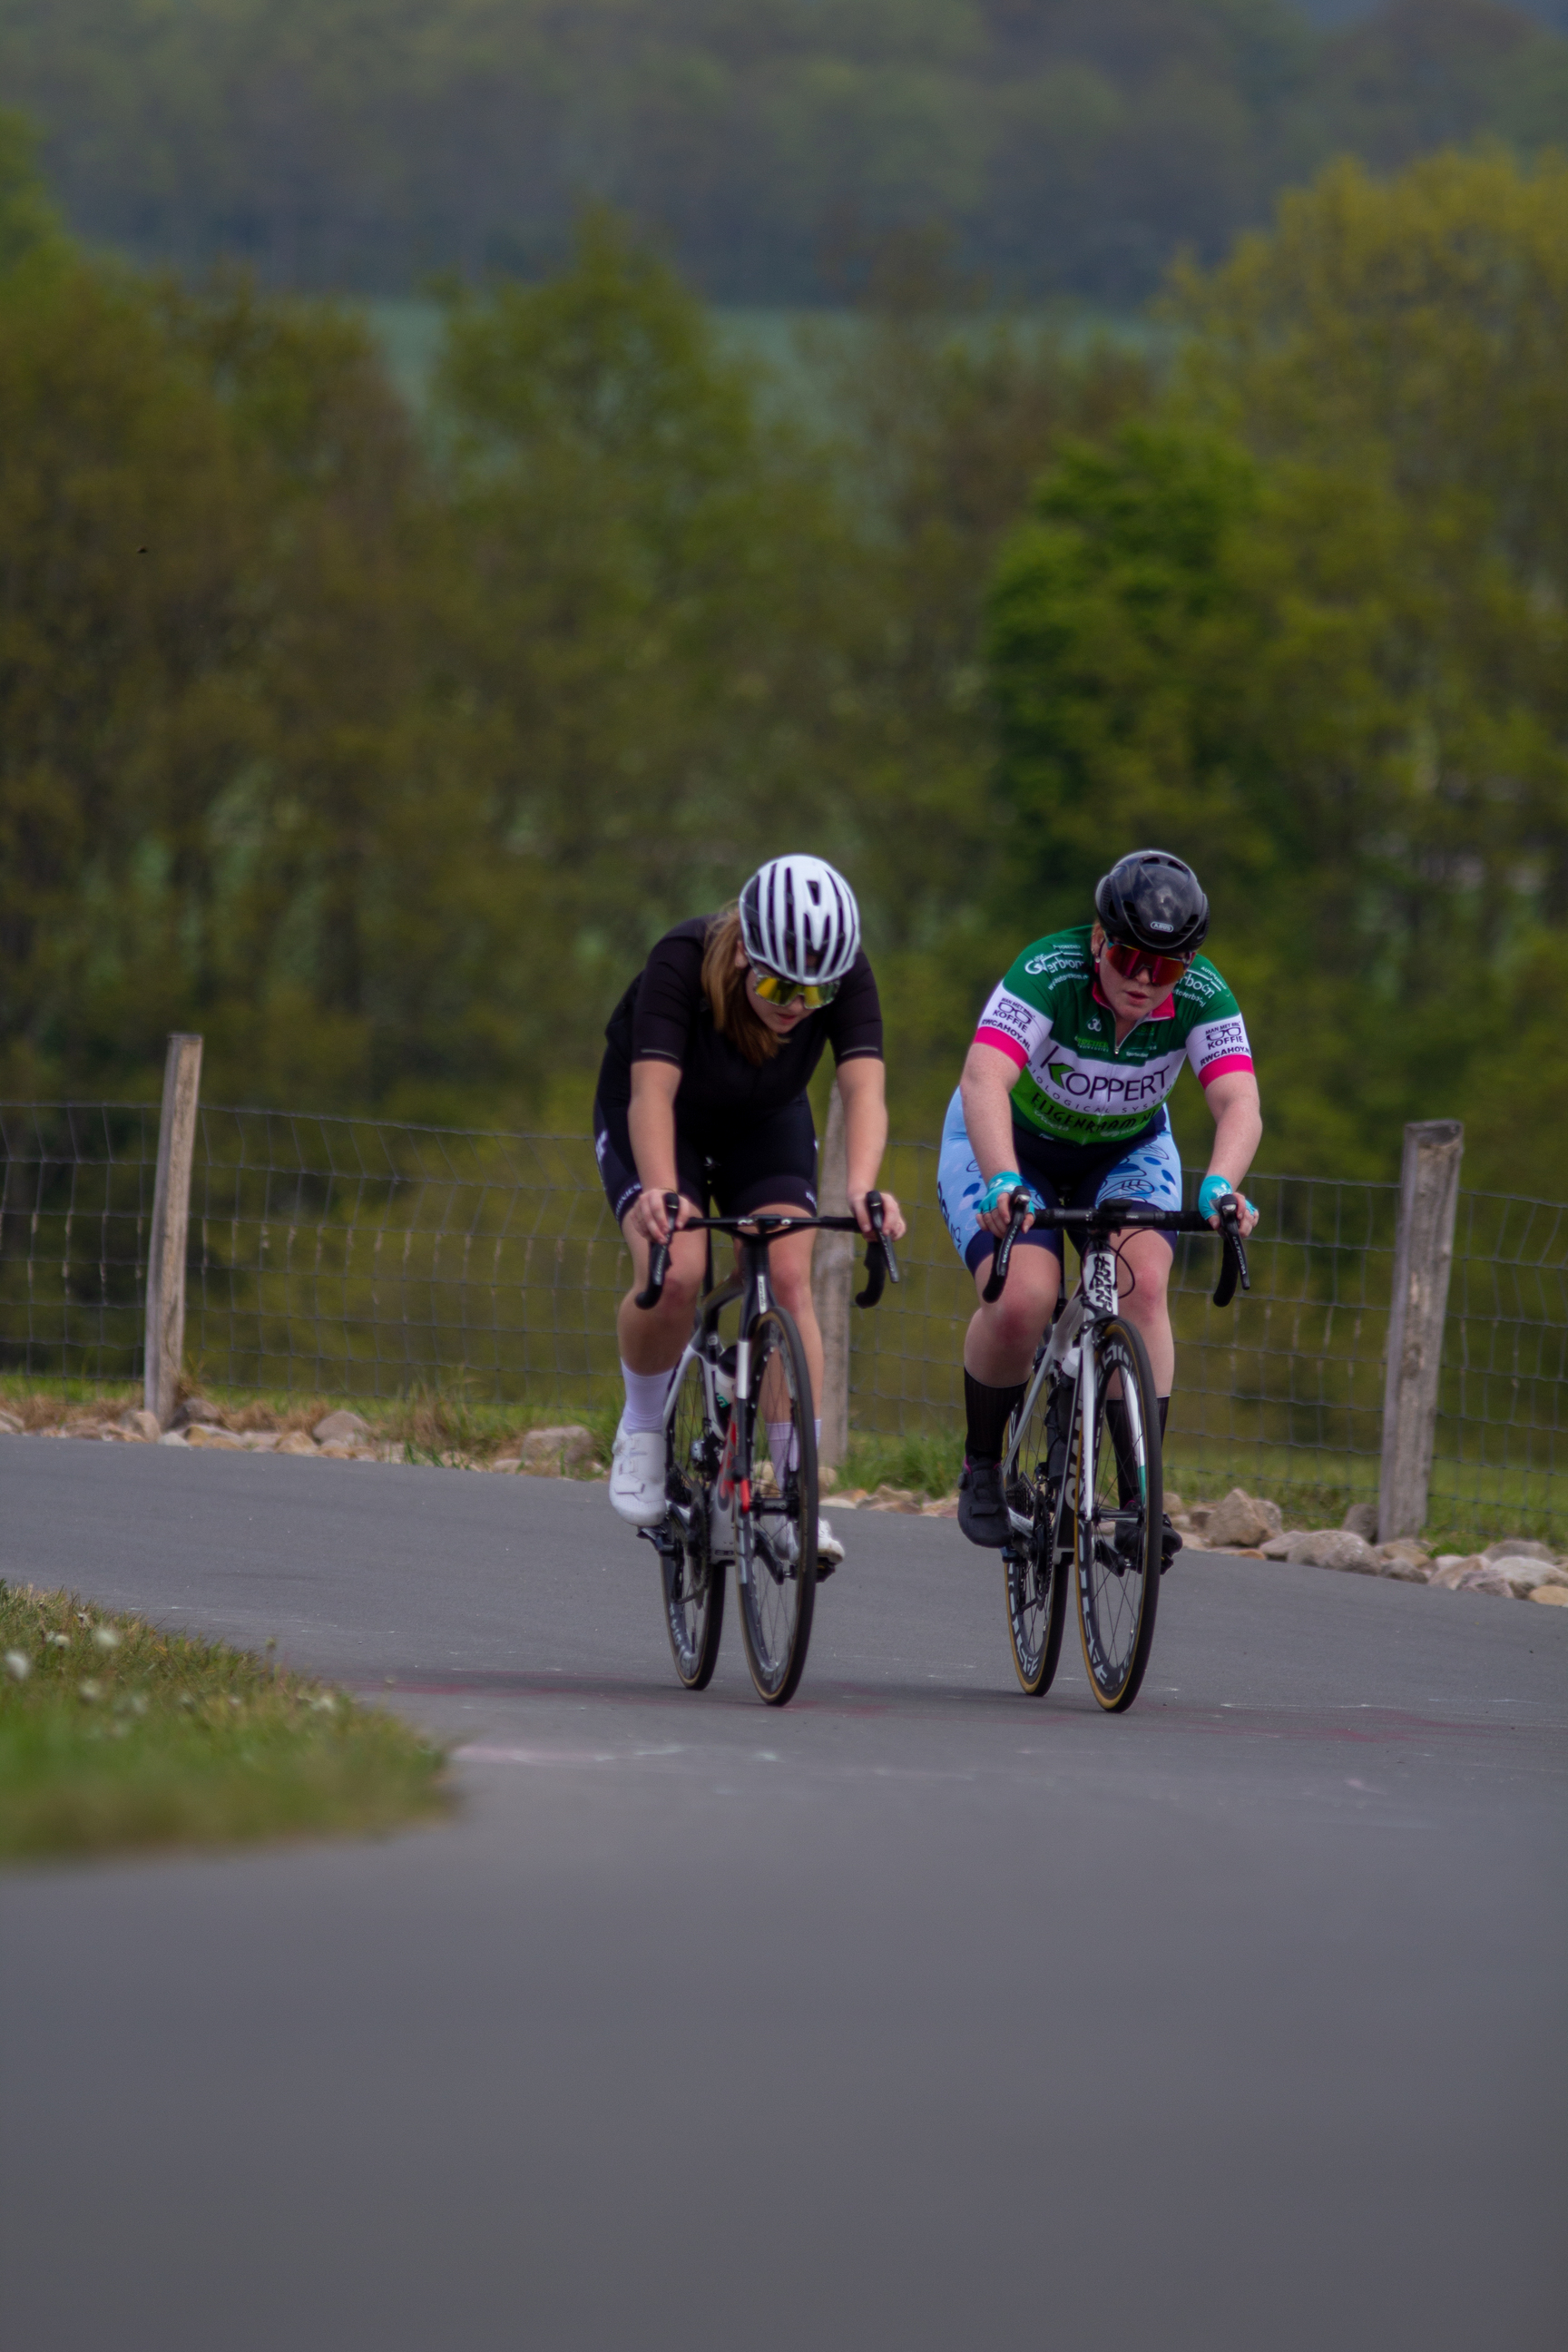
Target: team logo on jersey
1059 960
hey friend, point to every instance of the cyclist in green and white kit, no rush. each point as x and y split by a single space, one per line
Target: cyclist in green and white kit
1063 1096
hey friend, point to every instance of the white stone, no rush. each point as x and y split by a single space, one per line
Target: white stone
173 1437
138 1423
1334 1547
296 1442
222 1440
1485 1579
197 1409
1405 1559
1524 1574
1518 1547
548 1452
891 1499
1241 1518
339 1428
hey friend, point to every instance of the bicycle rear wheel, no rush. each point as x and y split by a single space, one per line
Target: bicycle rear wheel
775 1550
1037 1589
1117 1549
693 1580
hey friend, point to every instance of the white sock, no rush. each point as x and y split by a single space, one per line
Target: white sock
646 1393
781 1446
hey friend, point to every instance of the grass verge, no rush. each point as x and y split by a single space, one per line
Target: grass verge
115 1735
924 1462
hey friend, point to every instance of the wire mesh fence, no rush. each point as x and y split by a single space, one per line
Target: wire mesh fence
361 1259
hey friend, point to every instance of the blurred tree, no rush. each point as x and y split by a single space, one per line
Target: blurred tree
1069 147
1311 632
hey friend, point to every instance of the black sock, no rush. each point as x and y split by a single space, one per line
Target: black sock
987 1412
1122 1438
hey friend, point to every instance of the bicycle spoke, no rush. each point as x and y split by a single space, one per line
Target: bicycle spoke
1118 1549
778 1551
692 1580
1039 1465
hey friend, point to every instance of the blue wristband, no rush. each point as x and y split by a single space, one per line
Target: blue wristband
1215 1189
1000 1189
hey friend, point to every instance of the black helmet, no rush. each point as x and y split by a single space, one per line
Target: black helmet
1152 900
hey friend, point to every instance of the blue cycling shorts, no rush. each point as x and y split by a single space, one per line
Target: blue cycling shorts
1076 1175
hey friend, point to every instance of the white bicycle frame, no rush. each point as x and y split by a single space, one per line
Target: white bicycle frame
1095 1300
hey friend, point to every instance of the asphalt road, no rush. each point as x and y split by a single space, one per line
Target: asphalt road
915 2015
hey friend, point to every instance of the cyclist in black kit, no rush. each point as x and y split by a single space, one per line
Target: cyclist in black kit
702 1091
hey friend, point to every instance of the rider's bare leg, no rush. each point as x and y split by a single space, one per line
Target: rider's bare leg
651 1340
789 1278
999 1345
1144 1287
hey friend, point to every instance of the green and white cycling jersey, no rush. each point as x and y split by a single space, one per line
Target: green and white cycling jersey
1075 1083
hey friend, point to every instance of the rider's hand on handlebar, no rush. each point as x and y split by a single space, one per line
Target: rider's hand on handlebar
647 1216
1215 1189
995 1218
893 1224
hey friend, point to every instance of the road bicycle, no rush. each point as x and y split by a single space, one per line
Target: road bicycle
725 1501
1082 1473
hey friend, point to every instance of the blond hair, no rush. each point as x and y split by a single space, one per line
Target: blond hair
724 986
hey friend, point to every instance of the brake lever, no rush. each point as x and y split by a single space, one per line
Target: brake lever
882 1265
997 1284
1233 1266
658 1257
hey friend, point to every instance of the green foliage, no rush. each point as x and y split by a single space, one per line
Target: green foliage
768 143
1310 629
115 1735
28 223
381 758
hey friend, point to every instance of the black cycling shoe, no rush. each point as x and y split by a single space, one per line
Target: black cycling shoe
982 1510
1170 1542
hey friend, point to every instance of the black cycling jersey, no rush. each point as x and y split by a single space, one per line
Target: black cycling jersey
665 1017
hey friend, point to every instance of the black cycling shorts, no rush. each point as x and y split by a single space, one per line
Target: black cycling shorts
753 1164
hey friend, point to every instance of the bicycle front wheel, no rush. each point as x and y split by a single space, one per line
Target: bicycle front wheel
1036 1586
1117 1546
693 1579
775 1549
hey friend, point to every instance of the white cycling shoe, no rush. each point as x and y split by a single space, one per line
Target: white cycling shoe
829 1551
636 1477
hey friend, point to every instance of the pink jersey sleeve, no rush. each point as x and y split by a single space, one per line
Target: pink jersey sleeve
1014 1028
1215 1048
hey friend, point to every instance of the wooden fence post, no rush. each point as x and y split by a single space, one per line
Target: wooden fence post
171 1221
1423 1259
832 1275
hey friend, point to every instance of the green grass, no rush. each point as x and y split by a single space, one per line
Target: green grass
926 1463
428 1423
1470 1506
115 1735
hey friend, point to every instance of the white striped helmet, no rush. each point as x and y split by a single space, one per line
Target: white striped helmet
798 917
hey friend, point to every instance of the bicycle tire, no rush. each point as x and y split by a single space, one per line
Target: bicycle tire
692 1580
1034 1580
1115 1555
775 1575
